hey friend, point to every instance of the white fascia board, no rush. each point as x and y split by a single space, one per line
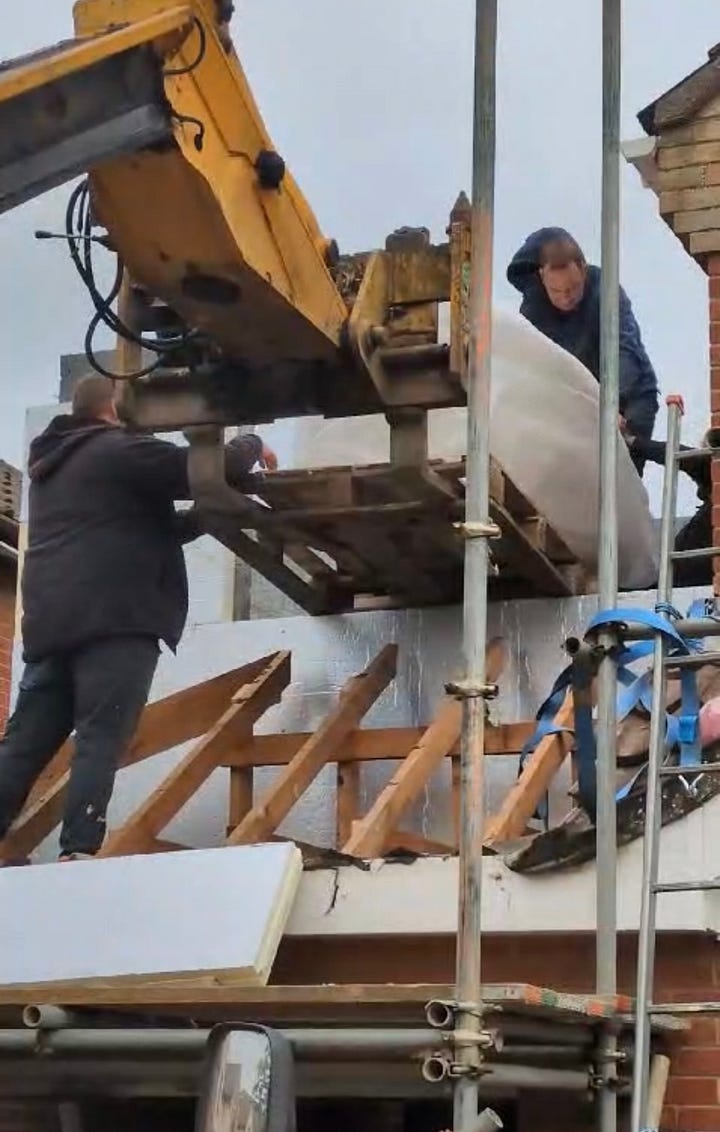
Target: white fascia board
391 898
641 152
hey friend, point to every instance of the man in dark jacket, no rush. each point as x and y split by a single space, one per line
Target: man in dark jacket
104 582
561 297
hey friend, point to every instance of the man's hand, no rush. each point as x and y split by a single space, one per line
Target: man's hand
268 459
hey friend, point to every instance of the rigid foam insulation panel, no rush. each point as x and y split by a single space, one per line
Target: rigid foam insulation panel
219 912
545 411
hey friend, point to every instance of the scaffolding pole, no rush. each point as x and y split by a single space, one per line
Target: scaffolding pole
477 529
606 957
653 800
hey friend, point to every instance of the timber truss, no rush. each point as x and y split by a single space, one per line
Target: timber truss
219 716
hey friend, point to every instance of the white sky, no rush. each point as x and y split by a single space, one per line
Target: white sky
370 104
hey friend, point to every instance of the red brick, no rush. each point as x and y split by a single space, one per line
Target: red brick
668 1120
672 970
698 1119
703 1032
714 287
712 265
697 1062
697 1091
714 326
714 354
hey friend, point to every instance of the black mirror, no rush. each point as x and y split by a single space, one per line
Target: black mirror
248 1083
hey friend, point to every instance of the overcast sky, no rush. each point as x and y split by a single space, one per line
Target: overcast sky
370 104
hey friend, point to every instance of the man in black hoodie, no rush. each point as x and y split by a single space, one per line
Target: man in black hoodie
104 582
561 297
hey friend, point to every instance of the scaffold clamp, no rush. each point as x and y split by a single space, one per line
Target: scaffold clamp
486 529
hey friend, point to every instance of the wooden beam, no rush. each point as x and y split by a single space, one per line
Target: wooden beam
404 841
259 554
369 744
516 552
347 799
164 724
242 783
356 698
522 800
248 704
160 845
460 250
370 834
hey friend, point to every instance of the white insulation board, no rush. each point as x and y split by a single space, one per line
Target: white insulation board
212 911
544 429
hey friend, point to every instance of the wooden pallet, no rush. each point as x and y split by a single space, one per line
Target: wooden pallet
382 536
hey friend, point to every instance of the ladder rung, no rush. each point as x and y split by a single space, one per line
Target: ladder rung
688 886
692 453
700 552
698 768
684 1008
694 660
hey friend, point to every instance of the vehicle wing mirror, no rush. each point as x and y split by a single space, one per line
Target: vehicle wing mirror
249 1082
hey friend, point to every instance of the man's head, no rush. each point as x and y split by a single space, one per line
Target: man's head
563 271
94 399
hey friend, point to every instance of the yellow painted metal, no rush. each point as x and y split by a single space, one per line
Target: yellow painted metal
185 211
167 29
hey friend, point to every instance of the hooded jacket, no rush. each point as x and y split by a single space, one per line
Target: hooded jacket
104 555
578 330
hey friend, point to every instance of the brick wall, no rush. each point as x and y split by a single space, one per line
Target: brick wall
687 969
7 630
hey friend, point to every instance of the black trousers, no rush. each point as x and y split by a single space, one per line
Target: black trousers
640 413
99 692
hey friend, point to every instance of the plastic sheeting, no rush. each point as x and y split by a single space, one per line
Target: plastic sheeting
544 432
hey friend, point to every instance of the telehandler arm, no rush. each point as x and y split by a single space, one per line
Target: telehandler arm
183 175
228 280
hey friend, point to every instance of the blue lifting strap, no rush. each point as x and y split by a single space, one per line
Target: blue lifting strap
681 730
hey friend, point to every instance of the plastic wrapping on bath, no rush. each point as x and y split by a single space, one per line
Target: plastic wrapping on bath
544 432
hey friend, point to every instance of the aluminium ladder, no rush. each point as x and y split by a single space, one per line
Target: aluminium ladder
657 770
